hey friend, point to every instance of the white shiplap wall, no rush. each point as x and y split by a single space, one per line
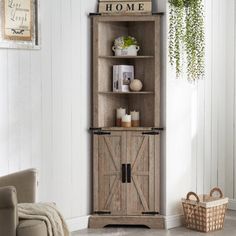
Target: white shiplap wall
44 110
231 104
44 106
196 141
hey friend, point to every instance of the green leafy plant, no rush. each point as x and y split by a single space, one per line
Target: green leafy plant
125 41
187 37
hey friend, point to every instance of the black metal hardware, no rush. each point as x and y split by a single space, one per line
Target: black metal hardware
101 133
150 213
99 14
123 173
94 129
128 173
102 212
151 133
157 129
94 14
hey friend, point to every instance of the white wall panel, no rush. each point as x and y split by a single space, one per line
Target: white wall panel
44 105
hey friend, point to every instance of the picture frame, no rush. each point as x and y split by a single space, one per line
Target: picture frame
19 24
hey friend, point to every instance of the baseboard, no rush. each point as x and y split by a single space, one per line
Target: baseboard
232 204
171 222
174 221
78 223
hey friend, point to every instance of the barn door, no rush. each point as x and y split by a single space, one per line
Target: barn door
141 168
109 191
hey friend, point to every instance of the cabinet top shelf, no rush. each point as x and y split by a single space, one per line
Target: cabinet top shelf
132 93
126 57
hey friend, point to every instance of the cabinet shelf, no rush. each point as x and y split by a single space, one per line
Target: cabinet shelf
126 57
127 93
127 129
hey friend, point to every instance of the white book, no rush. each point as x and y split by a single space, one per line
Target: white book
115 86
126 75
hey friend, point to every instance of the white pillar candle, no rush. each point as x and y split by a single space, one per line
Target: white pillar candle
134 115
126 118
120 112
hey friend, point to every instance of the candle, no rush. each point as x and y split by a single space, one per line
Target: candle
126 121
135 120
120 112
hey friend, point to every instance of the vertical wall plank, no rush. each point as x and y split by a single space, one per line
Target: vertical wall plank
14 110
221 92
76 103
230 109
24 111
46 72
208 97
36 109
215 89
3 113
234 159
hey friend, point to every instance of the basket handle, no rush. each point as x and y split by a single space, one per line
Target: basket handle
216 190
193 194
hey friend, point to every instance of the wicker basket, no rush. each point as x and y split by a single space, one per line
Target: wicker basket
206 213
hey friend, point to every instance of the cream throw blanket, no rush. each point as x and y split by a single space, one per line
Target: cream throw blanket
46 212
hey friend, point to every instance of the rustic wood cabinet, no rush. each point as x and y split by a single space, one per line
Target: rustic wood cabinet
126 161
126 173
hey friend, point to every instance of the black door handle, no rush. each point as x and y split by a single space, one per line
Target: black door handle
128 173
123 176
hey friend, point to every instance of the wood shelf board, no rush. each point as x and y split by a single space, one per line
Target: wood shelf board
126 57
126 129
153 222
127 93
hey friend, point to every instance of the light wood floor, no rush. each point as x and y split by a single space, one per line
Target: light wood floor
229 230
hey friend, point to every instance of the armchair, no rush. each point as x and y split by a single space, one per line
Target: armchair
18 188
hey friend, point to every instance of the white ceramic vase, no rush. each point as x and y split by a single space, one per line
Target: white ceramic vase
129 51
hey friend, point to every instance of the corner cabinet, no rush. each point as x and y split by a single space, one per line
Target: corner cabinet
126 161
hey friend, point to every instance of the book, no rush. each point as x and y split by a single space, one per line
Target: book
122 77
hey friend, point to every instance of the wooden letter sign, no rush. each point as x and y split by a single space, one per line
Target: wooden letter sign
126 7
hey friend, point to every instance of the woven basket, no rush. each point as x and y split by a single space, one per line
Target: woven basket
206 213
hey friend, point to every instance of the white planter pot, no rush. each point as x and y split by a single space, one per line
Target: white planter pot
129 51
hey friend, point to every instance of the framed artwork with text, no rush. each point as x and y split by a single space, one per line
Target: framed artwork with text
19 24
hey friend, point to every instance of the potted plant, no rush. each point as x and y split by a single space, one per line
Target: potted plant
187 37
125 46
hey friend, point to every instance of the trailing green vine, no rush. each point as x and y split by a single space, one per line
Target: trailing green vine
187 37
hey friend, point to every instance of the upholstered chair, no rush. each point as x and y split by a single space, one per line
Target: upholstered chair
17 188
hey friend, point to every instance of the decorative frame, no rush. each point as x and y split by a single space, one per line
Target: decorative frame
19 24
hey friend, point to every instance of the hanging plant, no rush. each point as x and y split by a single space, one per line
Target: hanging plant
187 37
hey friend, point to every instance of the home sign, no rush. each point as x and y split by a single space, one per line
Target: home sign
125 7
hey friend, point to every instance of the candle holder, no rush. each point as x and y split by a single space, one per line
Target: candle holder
120 112
135 120
126 121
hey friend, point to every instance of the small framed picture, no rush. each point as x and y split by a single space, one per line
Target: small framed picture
19 24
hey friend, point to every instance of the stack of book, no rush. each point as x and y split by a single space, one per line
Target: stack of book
125 7
122 77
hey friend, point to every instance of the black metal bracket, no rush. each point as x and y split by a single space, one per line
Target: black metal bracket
151 133
150 213
94 129
101 133
102 212
157 129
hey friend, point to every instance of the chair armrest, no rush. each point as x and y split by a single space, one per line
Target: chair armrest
8 211
25 183
8 198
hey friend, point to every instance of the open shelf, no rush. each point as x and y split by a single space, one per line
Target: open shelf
146 68
127 57
127 93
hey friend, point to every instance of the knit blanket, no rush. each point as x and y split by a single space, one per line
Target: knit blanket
47 212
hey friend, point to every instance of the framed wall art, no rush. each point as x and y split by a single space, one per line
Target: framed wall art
19 24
